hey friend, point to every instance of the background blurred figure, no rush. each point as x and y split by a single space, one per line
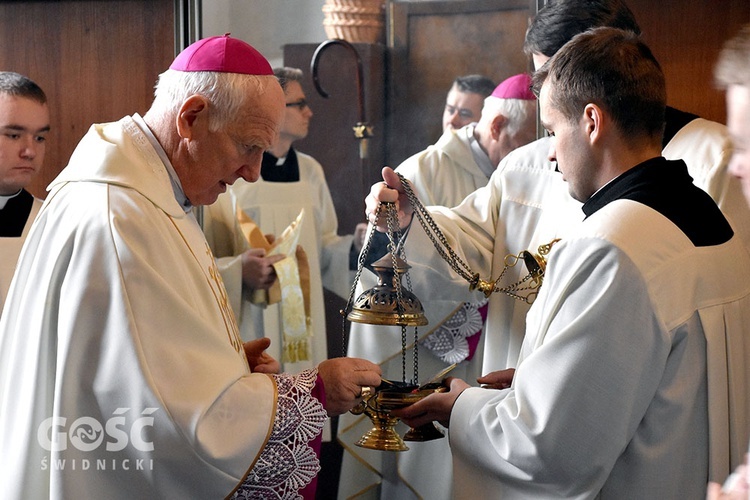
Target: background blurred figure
24 125
733 74
459 163
463 104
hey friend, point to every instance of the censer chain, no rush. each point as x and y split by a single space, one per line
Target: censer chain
353 290
394 232
441 245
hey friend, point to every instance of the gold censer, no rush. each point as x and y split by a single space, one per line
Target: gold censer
390 303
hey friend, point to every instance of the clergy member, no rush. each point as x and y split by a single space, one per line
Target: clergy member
461 162
122 373
24 126
733 74
464 101
631 380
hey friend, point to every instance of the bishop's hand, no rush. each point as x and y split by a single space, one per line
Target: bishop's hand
345 381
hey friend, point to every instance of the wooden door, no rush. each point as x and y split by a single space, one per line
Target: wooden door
686 37
97 61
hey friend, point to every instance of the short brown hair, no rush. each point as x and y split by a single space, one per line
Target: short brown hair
18 85
613 69
286 74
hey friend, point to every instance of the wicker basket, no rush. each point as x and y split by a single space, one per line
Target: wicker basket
356 21
376 4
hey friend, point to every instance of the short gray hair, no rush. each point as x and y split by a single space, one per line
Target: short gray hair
226 92
516 111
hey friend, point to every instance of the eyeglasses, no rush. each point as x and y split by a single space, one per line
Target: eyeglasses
301 104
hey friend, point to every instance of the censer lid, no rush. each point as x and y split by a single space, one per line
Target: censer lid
380 305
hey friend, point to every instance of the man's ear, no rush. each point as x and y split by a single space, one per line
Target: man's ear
192 117
498 124
593 121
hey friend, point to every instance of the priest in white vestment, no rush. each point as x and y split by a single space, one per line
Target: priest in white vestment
732 73
24 126
290 182
632 379
459 163
122 373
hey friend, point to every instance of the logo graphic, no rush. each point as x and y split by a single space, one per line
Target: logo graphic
88 434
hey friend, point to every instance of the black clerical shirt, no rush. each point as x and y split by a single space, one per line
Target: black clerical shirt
288 171
666 187
14 215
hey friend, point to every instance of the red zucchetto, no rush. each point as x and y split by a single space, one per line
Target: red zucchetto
222 54
515 87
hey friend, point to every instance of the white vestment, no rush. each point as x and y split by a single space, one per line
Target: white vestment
122 373
446 172
526 204
10 249
273 206
642 407
443 174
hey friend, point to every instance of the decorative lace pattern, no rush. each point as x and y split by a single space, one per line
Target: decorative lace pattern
288 463
449 341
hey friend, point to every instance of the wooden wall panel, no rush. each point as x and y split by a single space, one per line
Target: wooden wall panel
96 61
686 37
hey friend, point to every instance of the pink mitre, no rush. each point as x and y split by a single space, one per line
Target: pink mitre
222 54
515 87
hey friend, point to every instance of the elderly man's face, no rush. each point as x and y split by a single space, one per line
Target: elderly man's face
738 121
218 159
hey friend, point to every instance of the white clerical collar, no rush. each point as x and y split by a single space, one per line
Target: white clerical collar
480 157
179 194
5 199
